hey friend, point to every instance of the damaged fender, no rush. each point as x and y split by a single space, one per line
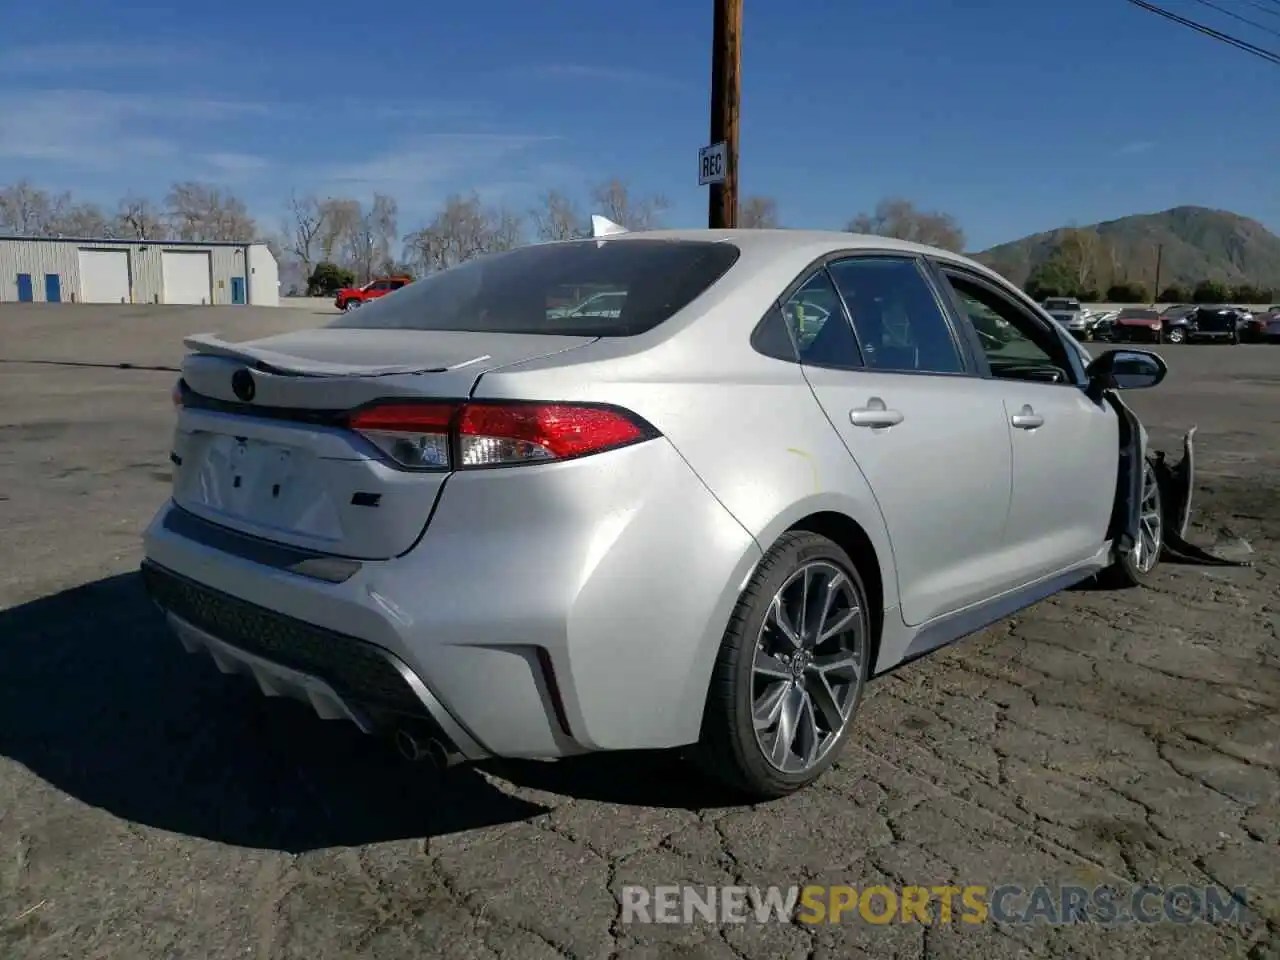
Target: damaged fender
1177 485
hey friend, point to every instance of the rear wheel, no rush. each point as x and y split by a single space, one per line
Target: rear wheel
791 670
1175 335
1135 569
352 305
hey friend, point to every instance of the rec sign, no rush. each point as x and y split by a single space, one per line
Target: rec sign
712 162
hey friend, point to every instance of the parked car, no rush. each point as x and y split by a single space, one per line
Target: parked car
349 298
1137 325
1206 323
1074 318
484 531
1253 327
1271 326
1104 324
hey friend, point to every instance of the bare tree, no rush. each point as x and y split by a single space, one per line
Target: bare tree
506 230
369 241
138 219
462 230
28 211
84 220
758 213
613 199
557 218
340 220
303 227
899 218
198 211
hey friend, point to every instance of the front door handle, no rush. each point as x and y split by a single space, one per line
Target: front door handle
875 414
1026 418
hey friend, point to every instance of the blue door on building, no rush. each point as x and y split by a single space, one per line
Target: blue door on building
237 289
24 288
52 288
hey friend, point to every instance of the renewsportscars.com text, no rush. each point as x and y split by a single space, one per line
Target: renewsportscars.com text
1007 904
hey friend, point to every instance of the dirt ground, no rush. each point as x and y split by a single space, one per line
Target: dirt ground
152 808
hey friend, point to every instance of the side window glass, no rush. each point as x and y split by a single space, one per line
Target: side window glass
820 326
1017 348
900 325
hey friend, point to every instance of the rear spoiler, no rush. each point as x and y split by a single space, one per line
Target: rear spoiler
283 364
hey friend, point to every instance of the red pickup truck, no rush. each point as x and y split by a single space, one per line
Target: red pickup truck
349 298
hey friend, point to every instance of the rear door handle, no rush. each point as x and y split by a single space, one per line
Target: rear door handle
875 414
1026 418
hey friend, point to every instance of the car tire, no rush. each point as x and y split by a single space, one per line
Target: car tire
1176 336
1137 568
352 305
730 749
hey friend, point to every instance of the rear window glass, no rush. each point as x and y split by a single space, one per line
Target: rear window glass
598 288
1138 315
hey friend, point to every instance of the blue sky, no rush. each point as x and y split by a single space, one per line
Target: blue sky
1013 115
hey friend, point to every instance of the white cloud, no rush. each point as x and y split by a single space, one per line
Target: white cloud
578 71
84 57
237 163
101 145
430 165
94 131
1136 147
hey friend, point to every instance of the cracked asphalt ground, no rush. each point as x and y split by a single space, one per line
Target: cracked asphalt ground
151 808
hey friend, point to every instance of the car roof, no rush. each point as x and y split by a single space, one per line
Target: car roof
785 241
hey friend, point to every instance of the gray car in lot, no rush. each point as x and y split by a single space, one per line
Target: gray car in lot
1069 312
792 461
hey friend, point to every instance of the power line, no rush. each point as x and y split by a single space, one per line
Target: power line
1253 23
1271 9
1200 28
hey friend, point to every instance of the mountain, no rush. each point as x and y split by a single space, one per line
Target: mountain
1198 244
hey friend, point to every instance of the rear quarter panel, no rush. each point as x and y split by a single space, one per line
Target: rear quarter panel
748 425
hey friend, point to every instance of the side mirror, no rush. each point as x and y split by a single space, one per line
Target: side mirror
1126 370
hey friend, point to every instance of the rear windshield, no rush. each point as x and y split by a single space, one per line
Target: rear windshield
1138 315
597 288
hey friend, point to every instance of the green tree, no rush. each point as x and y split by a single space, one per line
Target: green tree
1052 278
327 279
1175 293
1127 292
1210 291
1248 293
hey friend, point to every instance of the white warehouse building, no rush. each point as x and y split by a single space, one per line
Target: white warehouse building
137 271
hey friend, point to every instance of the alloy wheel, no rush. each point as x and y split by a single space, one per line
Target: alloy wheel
1146 551
807 673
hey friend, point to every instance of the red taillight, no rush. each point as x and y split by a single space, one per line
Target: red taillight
436 436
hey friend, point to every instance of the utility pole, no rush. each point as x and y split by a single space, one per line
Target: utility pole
726 95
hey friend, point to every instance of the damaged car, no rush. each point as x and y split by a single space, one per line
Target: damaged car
707 522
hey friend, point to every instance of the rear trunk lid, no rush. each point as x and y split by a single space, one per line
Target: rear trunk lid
260 446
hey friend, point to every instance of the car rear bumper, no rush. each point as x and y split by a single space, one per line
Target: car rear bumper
546 611
1137 334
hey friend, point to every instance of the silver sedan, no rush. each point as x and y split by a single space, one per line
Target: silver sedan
787 464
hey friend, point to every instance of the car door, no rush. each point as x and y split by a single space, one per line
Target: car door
881 357
1065 445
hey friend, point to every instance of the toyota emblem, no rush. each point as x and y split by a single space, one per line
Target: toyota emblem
242 384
